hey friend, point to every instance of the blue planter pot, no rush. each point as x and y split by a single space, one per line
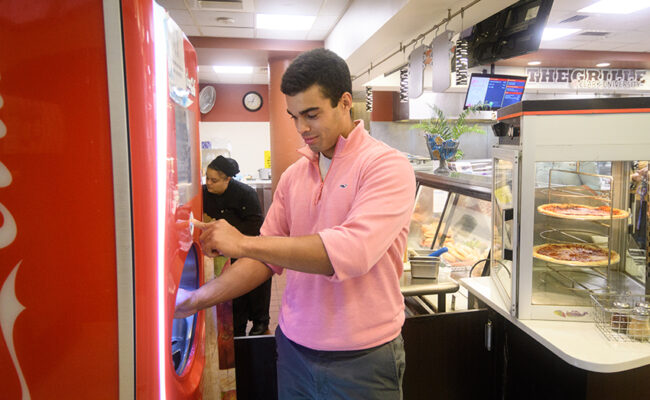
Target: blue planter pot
442 150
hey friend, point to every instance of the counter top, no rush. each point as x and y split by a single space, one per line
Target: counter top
466 184
419 286
257 182
580 344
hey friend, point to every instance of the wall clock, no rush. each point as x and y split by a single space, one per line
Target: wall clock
207 96
252 101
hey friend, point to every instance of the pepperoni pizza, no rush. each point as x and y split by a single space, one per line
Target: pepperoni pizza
576 254
579 211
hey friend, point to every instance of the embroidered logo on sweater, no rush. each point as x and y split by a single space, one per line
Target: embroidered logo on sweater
343 185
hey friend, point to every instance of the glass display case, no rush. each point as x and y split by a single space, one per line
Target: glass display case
565 225
452 211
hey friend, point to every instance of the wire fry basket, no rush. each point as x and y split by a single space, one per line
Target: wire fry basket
622 318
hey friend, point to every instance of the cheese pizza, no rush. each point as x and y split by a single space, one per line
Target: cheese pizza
579 211
576 254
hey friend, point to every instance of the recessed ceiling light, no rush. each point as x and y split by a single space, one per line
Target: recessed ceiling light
534 62
284 22
616 6
230 69
556 33
602 65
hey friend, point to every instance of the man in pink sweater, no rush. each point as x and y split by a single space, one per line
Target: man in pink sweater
337 227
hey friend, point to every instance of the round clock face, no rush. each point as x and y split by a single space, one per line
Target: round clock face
252 101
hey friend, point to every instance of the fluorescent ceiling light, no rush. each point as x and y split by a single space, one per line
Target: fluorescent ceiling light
284 22
227 69
534 63
616 6
556 33
602 65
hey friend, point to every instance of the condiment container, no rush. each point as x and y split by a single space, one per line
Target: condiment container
620 316
639 327
644 304
424 266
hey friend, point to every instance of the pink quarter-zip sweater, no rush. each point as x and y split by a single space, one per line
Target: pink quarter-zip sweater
361 210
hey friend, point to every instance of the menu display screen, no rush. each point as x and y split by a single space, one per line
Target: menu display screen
494 91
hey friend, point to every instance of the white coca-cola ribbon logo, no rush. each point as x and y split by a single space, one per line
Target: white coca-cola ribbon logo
10 307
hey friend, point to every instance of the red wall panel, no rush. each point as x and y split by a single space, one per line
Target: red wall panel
382 106
229 107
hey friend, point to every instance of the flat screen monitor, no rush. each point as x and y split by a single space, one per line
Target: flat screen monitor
511 32
494 91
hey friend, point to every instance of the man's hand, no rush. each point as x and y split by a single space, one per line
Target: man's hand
185 304
220 238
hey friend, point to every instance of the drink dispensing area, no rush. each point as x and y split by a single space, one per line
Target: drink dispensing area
526 273
101 177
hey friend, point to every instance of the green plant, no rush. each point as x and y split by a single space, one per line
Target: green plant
448 129
451 129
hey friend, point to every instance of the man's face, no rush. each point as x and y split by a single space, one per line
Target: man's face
216 181
320 124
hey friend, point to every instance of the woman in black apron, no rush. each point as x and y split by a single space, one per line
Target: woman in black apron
227 198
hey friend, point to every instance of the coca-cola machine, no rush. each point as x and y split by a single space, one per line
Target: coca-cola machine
99 179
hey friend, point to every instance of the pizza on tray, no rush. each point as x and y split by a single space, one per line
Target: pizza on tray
579 211
576 254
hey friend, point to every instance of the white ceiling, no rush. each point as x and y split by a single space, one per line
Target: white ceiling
407 19
626 32
236 18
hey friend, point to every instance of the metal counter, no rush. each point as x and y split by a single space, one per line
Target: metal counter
420 287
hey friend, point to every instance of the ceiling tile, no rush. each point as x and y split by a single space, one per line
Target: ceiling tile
603 22
260 79
318 34
217 31
557 16
562 44
243 6
284 35
181 17
598 45
570 5
288 7
627 37
172 4
190 30
334 7
645 47
325 22
211 56
209 18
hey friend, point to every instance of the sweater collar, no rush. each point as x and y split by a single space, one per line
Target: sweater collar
344 146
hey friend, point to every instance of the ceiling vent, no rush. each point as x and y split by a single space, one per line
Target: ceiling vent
575 18
594 33
219 4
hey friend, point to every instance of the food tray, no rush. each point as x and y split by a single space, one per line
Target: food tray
618 323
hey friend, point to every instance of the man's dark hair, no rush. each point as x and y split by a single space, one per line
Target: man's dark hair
318 66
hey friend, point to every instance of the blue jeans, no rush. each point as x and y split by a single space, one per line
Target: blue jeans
369 374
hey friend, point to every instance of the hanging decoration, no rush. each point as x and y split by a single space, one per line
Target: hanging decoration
462 62
368 98
404 85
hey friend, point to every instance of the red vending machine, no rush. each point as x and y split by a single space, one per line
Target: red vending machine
99 178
